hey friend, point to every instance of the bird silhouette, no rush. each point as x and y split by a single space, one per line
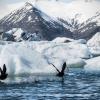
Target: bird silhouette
61 73
3 75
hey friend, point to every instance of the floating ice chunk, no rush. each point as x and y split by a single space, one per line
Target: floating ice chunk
62 40
22 60
75 62
35 57
93 64
70 61
94 44
68 50
82 41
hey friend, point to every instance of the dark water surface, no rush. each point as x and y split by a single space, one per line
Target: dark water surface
76 85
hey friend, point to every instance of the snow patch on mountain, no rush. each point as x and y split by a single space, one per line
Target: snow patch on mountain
21 35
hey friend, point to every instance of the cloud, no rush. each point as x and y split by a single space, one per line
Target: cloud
6 6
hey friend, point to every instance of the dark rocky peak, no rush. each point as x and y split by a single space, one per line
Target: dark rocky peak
27 4
34 21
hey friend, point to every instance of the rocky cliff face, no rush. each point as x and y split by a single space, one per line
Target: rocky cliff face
36 25
32 20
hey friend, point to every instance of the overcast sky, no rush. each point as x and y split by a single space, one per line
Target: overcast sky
6 6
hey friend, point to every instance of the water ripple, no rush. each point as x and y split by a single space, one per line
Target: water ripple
76 85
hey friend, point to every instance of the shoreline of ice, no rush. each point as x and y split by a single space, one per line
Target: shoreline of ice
35 56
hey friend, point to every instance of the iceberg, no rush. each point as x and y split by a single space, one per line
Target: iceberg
93 64
36 56
94 44
62 40
66 50
76 63
22 60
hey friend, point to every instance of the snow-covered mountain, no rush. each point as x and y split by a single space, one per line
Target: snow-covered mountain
33 21
49 19
82 17
85 29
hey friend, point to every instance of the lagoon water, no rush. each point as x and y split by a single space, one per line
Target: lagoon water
76 85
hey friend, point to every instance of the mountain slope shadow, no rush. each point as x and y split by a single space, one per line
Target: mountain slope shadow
32 20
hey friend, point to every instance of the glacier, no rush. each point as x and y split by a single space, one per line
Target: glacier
36 56
94 44
93 65
29 57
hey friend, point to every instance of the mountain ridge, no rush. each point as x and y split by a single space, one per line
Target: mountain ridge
32 20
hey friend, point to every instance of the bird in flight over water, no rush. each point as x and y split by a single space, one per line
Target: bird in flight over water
61 73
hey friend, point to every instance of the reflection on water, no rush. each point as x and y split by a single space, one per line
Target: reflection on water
76 85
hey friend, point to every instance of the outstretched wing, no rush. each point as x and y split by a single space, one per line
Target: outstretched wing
63 67
4 68
1 71
56 68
